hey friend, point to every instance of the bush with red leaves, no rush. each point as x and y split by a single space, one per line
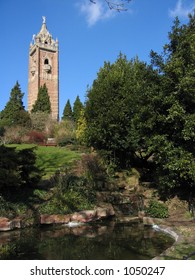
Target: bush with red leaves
36 137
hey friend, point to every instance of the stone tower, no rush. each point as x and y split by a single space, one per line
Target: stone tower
44 69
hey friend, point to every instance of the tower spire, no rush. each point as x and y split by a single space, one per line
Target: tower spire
44 68
44 38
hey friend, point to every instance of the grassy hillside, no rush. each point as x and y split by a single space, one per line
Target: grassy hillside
49 159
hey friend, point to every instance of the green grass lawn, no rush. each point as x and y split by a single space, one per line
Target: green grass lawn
50 159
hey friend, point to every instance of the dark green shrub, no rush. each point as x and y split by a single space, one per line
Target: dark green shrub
17 169
7 251
11 210
70 193
66 141
157 210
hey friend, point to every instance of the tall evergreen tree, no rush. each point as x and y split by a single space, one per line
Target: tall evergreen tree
14 112
42 103
67 113
77 108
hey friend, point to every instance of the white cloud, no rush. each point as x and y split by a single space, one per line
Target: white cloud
182 9
95 12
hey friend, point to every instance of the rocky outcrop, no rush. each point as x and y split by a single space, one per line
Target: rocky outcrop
86 216
54 219
6 224
104 210
80 217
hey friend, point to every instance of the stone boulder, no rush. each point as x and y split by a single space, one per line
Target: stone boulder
54 219
84 216
6 224
104 210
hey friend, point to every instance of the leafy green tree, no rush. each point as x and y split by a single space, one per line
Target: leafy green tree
77 107
67 113
42 103
144 103
14 112
106 122
139 112
119 99
175 145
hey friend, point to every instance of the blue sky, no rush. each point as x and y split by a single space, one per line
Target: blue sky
88 35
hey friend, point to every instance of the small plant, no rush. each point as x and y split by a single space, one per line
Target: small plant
10 209
157 210
6 251
41 194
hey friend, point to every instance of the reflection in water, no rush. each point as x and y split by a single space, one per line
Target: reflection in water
108 241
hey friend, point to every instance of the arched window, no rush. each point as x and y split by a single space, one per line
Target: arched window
46 61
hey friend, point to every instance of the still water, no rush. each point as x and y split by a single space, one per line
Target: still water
99 241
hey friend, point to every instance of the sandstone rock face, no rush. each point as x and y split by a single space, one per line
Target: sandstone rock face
54 219
104 212
6 224
109 207
84 216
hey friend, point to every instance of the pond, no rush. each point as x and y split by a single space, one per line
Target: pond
98 241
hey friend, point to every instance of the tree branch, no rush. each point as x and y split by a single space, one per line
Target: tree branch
118 6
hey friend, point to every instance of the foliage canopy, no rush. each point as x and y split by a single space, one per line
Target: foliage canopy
145 114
